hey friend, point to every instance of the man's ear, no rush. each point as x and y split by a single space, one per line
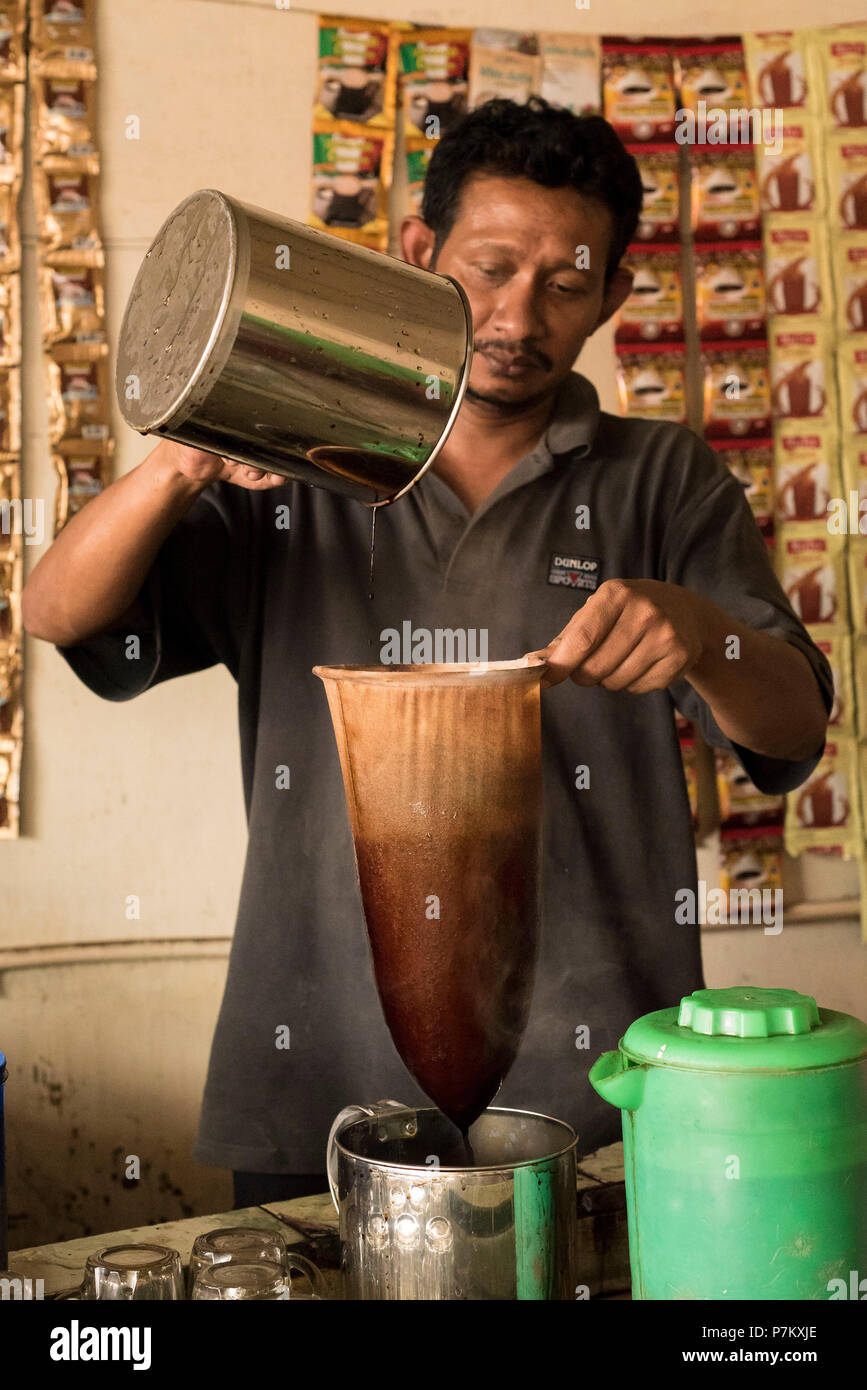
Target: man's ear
417 242
618 290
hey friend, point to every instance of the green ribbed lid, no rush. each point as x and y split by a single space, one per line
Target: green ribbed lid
746 1028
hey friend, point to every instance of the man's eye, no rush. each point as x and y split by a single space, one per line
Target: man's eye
490 270
568 289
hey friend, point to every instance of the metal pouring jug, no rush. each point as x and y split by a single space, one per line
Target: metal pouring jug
415 1226
442 769
281 346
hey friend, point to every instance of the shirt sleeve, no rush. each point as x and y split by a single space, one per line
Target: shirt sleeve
713 546
189 613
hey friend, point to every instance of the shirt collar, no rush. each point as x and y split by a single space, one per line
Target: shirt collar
574 420
570 433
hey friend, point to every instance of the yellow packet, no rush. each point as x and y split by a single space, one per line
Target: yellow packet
79 374
824 812
72 304
442 54
356 76
571 71
842 87
651 382
846 153
64 117
351 178
83 470
806 469
63 37
752 465
802 369
737 399
855 485
430 107
10 597
741 803
725 194
852 372
638 90
10 242
788 180
796 262
502 72
11 132
850 276
837 647
10 772
857 558
654 310
10 320
776 69
658 167
11 714
690 773
13 22
729 290
811 568
751 859
10 488
859 667
418 153
10 410
710 73
433 66
66 194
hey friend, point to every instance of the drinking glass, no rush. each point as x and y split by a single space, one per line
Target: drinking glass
127 1272
234 1281
241 1244
248 1245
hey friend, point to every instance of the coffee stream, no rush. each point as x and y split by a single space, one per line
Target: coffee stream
467 1147
372 550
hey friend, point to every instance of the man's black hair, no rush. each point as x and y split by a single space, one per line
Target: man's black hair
541 142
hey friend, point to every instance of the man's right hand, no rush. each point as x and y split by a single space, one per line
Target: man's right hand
89 580
203 468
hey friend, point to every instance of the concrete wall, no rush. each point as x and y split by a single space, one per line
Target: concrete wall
108 1043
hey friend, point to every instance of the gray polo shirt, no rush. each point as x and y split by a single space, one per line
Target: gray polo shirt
230 585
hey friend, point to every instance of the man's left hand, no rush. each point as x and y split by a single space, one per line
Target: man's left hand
631 634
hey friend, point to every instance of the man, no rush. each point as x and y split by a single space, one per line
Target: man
533 485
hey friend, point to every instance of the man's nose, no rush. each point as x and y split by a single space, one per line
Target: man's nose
518 309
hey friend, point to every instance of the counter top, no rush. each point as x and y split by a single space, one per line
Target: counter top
601 1213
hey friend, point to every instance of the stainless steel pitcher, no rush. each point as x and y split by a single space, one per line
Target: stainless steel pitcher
277 345
414 1224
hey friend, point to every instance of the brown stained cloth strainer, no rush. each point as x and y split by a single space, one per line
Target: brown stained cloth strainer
443 777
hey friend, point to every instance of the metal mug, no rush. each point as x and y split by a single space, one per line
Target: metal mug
284 347
416 1225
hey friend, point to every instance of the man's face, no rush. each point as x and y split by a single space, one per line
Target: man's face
518 250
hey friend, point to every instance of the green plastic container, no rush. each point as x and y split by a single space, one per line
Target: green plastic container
745 1146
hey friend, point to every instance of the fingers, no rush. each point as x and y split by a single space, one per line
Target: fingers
647 667
254 479
658 676
585 632
622 639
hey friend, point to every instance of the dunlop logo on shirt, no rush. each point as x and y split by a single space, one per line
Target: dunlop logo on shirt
575 571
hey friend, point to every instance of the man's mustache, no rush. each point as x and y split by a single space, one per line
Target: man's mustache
501 348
